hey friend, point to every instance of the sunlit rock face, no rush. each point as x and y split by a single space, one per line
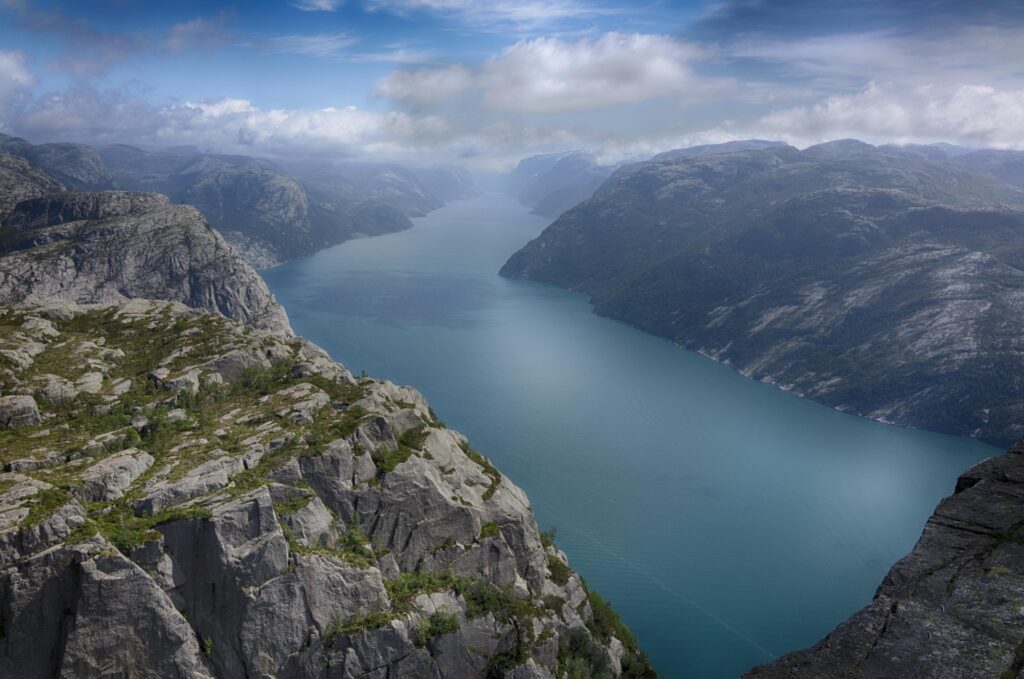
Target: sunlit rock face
202 498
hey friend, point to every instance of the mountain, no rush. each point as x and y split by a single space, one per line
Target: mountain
553 183
1006 165
112 246
271 214
886 281
951 608
265 213
448 183
194 498
21 180
191 495
76 166
381 183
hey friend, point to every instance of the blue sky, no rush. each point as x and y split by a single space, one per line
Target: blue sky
424 81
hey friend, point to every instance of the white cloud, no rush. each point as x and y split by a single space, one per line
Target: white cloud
317 5
426 86
227 125
331 45
522 14
204 33
546 75
979 115
14 75
549 75
968 53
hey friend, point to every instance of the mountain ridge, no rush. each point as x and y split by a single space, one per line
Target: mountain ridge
862 277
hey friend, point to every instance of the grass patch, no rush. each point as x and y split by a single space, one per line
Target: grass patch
489 530
488 468
438 624
559 571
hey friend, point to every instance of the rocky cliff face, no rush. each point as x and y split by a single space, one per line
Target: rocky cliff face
949 609
884 281
267 214
112 246
76 166
187 496
20 180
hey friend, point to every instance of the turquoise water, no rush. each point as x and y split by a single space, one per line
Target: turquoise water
727 521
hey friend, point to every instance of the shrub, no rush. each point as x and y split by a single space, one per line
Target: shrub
438 624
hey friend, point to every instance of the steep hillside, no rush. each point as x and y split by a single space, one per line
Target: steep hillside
884 281
267 214
186 496
20 180
949 609
553 183
112 246
76 166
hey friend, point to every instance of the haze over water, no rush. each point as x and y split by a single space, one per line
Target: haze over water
727 521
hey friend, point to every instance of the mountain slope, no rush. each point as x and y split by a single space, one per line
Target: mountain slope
112 246
77 166
268 215
885 281
21 180
194 498
949 609
553 183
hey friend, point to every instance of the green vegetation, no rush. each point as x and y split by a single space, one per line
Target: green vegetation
559 571
351 548
43 504
489 530
208 646
357 623
125 530
291 506
438 624
488 468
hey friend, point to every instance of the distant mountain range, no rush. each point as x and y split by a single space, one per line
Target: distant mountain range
552 183
268 213
886 281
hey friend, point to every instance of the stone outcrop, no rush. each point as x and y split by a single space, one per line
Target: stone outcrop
949 609
57 208
230 502
20 180
76 166
112 246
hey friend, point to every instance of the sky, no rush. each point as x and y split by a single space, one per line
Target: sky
429 82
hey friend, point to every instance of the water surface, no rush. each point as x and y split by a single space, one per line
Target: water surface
727 521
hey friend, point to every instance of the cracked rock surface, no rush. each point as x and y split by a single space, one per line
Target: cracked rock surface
267 516
111 246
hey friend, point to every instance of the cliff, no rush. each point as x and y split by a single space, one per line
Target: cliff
20 180
884 281
949 609
188 496
113 246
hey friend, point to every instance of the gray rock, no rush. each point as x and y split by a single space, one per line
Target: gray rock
56 390
125 621
110 477
20 180
18 411
163 252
